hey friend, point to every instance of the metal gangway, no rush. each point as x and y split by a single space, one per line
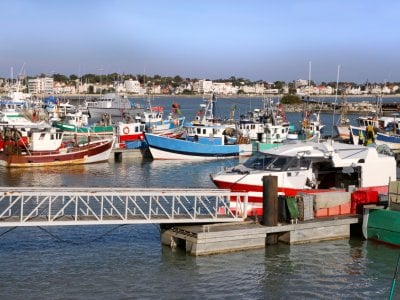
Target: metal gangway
44 206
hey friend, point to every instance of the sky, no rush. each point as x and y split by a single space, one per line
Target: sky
269 40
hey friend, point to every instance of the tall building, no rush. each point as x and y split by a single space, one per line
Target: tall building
43 85
205 86
132 86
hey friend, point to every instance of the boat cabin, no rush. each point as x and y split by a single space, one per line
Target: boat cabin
45 140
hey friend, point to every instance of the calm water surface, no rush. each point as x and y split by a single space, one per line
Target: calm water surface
128 262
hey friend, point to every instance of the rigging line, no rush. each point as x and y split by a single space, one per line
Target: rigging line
7 231
80 243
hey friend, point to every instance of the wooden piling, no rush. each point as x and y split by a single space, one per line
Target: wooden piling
270 206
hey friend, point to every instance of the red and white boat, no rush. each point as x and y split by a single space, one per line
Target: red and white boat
129 135
308 167
47 148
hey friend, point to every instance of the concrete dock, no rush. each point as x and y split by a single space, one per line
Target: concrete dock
119 152
220 238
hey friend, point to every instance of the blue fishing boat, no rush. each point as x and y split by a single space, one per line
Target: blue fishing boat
163 147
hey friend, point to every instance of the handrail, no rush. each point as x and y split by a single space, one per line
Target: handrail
44 206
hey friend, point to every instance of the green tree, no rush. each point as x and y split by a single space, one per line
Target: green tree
290 99
60 78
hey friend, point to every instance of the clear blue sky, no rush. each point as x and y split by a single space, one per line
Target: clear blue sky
211 39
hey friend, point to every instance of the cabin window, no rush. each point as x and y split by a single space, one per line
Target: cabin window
278 164
258 162
270 162
42 135
299 164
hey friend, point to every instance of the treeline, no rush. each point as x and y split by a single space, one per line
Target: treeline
178 80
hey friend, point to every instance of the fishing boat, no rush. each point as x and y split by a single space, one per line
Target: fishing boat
164 147
130 135
383 131
265 127
17 118
309 167
204 138
155 122
113 104
311 126
383 224
342 126
78 123
48 148
206 126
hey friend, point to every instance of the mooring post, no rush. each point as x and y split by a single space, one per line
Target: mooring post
270 206
118 156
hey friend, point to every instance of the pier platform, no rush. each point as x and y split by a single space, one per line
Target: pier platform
120 152
220 238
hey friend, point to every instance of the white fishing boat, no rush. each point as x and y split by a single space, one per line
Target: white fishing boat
115 105
267 125
309 167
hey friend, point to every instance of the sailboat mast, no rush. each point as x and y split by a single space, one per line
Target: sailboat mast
334 110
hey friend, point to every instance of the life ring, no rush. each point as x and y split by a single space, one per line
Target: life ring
125 130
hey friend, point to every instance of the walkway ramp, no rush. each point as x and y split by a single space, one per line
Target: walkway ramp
43 206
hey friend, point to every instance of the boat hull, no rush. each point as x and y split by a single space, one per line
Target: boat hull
162 147
94 152
382 225
91 129
255 196
97 112
343 131
392 141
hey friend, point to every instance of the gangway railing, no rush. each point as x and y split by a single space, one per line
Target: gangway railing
42 206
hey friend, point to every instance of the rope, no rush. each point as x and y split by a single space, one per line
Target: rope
81 243
7 231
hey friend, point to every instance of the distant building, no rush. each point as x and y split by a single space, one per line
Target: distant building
205 86
300 82
39 85
132 86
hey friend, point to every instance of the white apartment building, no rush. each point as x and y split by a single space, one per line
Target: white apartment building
41 85
259 88
301 82
132 86
156 89
205 86
224 88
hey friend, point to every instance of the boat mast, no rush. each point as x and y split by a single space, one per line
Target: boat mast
337 89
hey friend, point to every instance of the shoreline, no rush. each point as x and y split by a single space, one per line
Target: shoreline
312 97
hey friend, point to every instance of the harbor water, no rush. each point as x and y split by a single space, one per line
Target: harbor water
129 262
